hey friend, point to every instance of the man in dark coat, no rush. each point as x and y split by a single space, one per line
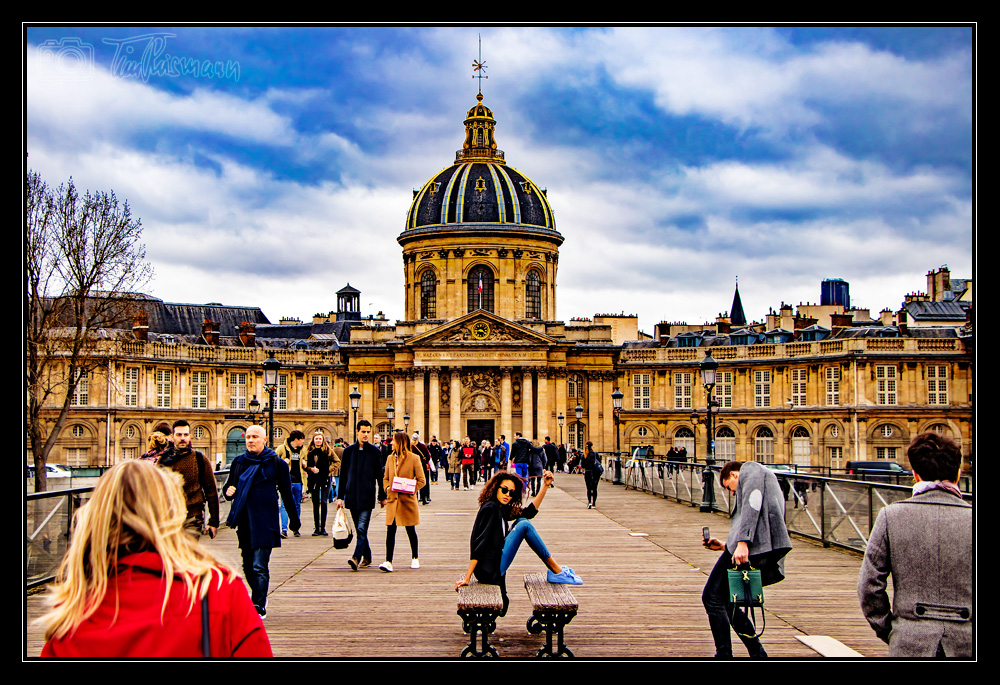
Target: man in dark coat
360 479
551 454
520 455
253 477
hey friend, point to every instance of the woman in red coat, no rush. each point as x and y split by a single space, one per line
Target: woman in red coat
135 583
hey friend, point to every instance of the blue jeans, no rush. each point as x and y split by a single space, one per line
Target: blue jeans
522 531
521 470
361 519
297 498
255 570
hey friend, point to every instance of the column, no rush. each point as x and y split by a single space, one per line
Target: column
400 380
434 406
608 387
417 417
594 400
561 406
544 409
527 406
506 404
455 422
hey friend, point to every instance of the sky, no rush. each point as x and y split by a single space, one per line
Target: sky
270 166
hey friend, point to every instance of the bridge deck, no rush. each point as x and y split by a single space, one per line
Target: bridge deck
642 596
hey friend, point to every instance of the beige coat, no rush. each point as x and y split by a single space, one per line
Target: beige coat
400 508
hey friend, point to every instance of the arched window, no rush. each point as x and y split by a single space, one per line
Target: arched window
428 295
763 446
801 449
533 296
684 437
481 288
725 444
385 387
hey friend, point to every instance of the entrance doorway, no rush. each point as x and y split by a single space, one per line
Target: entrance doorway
480 429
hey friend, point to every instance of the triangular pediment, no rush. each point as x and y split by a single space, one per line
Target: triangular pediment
480 328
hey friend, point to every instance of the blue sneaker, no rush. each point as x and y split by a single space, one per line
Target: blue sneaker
567 577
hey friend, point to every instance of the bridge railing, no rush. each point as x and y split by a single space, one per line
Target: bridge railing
836 512
48 521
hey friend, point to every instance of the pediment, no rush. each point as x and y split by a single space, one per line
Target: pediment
480 328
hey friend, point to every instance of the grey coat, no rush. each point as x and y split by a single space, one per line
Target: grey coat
759 521
925 543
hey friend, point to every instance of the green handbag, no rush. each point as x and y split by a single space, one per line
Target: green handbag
746 592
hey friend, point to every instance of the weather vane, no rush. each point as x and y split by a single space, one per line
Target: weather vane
480 66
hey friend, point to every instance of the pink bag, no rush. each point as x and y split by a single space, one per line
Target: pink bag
407 486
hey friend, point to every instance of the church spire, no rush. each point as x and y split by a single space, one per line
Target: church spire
736 315
480 144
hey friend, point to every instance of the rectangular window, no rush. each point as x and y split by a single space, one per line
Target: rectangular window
832 375
237 391
682 390
887 453
281 396
163 388
81 393
724 389
937 385
199 389
641 391
130 452
836 455
320 393
886 384
798 388
132 386
76 456
762 388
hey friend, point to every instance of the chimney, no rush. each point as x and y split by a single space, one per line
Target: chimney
839 322
248 336
210 331
140 326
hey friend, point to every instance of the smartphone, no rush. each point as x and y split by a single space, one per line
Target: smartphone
705 534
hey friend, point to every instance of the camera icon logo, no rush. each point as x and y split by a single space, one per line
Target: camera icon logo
67 58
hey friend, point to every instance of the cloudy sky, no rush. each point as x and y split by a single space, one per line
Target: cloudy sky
676 159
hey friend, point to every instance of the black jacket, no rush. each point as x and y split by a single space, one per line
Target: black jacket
519 451
360 476
488 534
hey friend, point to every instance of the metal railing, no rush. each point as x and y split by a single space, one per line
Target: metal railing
48 521
836 512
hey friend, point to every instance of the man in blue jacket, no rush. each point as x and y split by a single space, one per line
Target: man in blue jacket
360 478
253 477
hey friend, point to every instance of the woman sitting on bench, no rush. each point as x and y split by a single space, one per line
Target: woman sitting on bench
494 543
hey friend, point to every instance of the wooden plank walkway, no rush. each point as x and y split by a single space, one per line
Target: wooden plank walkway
641 597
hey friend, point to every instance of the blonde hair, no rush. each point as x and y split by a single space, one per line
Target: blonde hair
136 506
156 442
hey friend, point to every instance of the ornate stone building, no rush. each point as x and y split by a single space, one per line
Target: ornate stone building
480 352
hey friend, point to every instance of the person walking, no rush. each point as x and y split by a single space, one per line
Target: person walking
468 464
253 478
290 451
536 466
133 574
200 487
403 470
925 543
360 479
318 462
757 535
591 474
486 458
455 464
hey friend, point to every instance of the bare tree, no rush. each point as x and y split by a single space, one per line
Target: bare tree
84 267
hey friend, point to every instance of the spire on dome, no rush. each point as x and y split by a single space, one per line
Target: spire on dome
480 144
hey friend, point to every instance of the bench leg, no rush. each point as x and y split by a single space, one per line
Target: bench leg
475 622
553 623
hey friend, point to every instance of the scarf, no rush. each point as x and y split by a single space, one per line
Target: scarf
171 456
249 476
946 485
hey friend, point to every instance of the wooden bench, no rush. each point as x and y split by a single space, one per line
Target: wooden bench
479 605
554 607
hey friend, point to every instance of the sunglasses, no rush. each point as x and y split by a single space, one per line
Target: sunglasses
507 491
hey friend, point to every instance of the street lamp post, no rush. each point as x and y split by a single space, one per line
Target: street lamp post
708 373
390 413
616 401
254 408
355 398
271 368
562 420
406 423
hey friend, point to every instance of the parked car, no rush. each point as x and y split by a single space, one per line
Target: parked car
886 471
52 471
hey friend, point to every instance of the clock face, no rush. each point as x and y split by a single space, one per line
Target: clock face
480 330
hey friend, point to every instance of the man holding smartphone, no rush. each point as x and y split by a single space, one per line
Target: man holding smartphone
757 535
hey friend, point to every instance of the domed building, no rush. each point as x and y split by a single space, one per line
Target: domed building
480 235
